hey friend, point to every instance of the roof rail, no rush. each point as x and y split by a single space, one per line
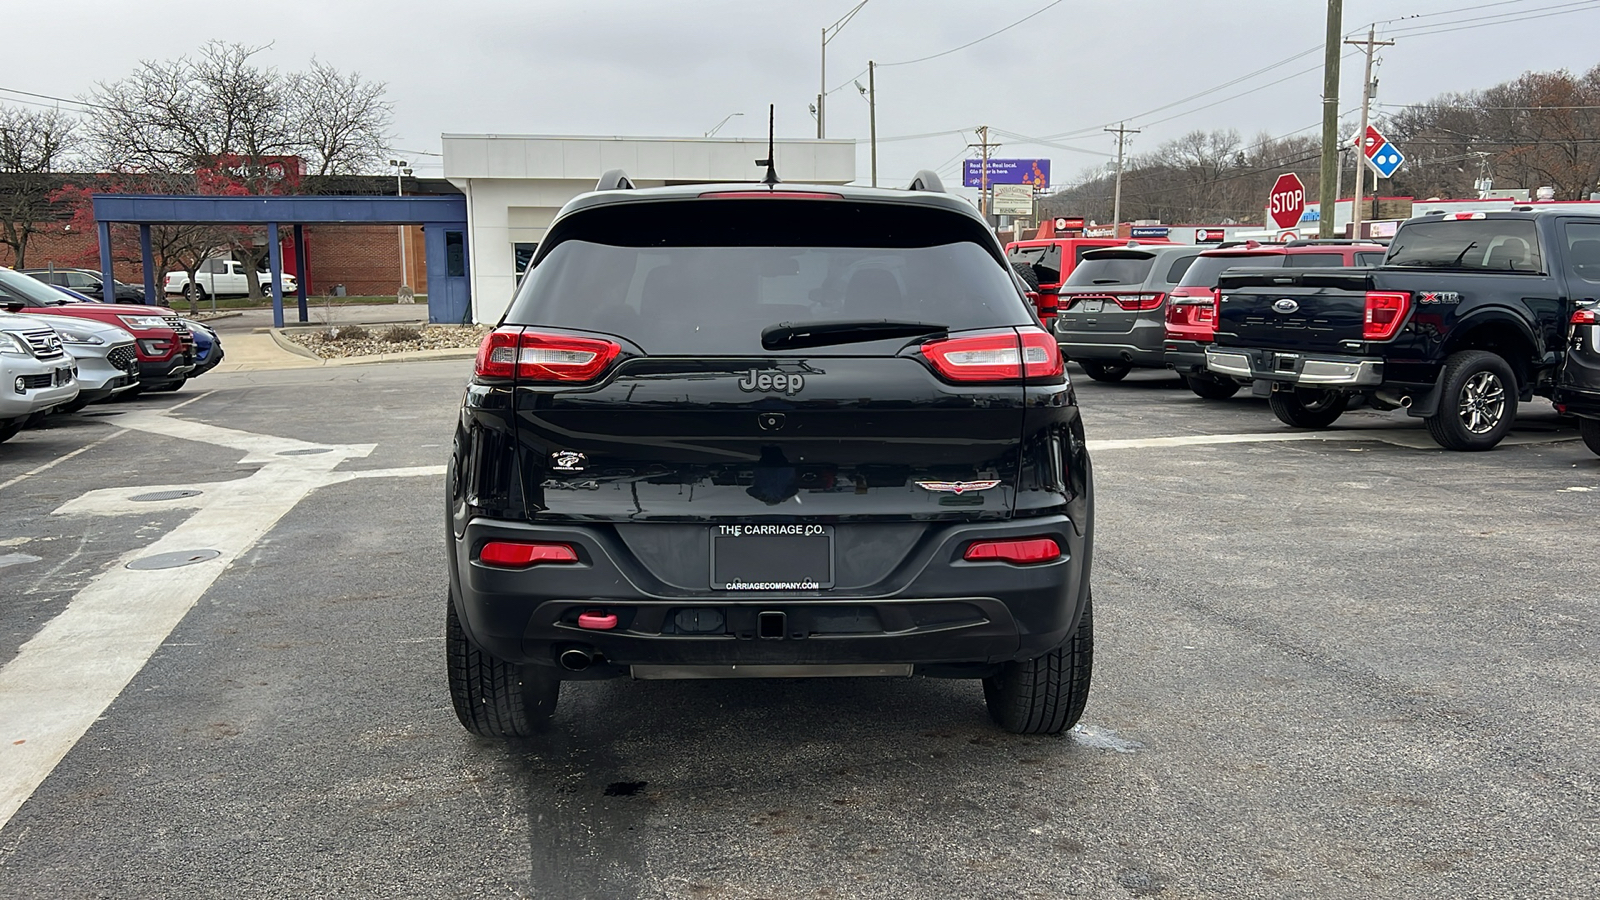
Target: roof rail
925 180
1228 245
614 180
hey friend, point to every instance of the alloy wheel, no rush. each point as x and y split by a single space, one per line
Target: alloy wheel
1483 402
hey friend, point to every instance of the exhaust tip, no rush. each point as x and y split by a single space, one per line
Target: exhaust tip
575 660
1405 402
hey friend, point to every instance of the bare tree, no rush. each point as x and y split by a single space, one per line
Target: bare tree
34 145
342 122
239 127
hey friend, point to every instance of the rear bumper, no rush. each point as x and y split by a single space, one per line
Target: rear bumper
936 612
1311 370
1142 345
1187 357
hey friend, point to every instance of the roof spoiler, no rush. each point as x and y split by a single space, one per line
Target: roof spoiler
614 180
925 180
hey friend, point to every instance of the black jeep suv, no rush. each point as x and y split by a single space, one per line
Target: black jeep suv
768 431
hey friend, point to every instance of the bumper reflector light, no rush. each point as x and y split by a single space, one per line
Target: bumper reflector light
515 555
1023 551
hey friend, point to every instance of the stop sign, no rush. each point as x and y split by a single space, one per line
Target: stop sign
1287 202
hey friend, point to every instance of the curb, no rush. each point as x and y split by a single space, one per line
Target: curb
286 344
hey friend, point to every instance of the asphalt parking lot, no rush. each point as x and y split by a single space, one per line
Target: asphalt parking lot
1346 664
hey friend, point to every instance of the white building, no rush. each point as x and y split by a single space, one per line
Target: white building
515 184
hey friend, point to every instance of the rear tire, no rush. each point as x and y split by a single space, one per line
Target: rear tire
9 429
1307 408
1211 388
1048 694
1027 274
194 293
494 698
1477 401
1589 429
1107 372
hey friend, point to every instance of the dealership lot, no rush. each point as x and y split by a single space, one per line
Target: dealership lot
1334 664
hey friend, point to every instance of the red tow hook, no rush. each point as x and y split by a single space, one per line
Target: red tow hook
597 621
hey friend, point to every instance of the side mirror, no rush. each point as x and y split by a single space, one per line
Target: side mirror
13 306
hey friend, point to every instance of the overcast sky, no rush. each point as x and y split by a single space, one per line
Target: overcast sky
634 67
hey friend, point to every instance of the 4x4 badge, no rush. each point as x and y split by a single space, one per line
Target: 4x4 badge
956 487
567 461
755 380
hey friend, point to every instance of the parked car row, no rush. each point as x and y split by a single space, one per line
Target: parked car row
1457 321
61 351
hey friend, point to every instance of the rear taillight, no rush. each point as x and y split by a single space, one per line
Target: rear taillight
538 357
1190 313
1583 317
521 555
1021 551
1144 302
1048 303
1386 312
996 356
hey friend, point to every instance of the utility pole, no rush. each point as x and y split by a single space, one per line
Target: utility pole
1328 183
1370 45
822 89
1121 131
983 171
872 114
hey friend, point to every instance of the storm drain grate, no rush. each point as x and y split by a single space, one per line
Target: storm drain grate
175 559
305 452
165 495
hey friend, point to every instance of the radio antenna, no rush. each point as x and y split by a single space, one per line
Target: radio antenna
772 168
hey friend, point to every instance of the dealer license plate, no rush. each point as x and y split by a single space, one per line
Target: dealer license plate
771 557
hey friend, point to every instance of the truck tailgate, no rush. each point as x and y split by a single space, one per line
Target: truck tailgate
1292 309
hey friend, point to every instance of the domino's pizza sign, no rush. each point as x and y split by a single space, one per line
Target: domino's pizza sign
1382 156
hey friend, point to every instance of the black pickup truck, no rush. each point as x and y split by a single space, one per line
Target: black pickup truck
1468 314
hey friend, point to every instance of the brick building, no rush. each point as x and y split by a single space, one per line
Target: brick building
365 259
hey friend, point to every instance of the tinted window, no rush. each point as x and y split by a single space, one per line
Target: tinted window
1207 269
1314 260
1179 267
1488 245
1046 261
716 300
1583 250
1112 267
17 286
1370 258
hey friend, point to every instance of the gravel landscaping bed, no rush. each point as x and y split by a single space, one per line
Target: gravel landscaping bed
344 341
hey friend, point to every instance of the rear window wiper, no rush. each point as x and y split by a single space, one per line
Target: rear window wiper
789 336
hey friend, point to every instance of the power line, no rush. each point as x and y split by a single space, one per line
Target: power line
7 90
1500 19
907 62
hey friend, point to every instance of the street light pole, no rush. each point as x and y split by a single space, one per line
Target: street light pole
400 171
828 34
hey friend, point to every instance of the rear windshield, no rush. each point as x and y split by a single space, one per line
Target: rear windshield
1313 260
1112 267
1207 269
1486 245
16 286
673 298
1046 261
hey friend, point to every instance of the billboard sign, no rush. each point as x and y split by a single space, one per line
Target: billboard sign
1149 231
1209 235
1008 171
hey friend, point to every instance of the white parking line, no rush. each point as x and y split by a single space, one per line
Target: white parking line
1416 440
60 459
66 676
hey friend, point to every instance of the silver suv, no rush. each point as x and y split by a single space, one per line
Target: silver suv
1112 316
36 373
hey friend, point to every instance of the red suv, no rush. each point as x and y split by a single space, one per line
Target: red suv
1052 260
1192 312
164 344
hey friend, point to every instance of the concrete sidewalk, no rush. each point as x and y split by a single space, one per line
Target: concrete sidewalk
248 352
